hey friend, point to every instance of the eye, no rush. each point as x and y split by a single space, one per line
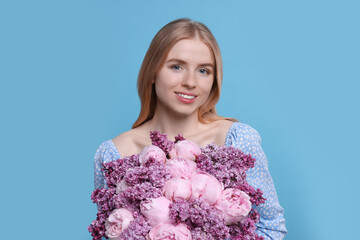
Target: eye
204 71
176 67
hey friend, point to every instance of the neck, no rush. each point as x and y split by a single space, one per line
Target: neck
174 124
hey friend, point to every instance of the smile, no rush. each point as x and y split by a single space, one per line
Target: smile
185 96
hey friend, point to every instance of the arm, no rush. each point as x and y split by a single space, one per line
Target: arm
99 180
272 222
106 152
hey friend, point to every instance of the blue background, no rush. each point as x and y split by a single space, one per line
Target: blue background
68 74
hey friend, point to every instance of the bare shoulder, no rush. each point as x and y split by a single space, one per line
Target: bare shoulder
212 132
131 142
221 130
224 124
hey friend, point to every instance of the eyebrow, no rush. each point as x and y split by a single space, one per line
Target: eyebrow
183 62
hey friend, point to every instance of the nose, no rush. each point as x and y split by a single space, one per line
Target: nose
189 80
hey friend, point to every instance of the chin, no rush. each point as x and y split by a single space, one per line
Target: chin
184 113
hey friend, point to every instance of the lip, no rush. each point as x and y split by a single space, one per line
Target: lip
185 100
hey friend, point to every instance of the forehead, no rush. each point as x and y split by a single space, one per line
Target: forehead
191 50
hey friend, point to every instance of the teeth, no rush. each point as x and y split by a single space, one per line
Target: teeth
185 96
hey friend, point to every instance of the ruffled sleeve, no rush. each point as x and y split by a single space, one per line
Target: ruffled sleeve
106 152
247 139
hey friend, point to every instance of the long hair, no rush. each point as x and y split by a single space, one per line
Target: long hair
155 57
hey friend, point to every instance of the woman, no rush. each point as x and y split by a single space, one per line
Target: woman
179 84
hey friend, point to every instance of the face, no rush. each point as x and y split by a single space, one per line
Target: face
184 82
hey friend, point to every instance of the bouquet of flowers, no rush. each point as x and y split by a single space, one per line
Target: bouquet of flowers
177 190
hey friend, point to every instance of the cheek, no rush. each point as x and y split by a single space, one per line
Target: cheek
162 89
158 91
207 90
160 84
207 85
164 80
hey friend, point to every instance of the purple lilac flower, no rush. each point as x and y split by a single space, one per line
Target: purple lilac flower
116 170
256 196
122 201
102 197
227 164
142 191
198 234
97 227
246 229
137 230
153 172
161 141
179 138
133 196
200 216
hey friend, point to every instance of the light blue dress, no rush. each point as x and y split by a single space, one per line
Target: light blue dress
247 139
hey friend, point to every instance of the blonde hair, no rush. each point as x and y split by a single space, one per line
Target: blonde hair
155 57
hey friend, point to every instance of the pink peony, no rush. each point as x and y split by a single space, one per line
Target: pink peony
118 221
234 205
156 210
170 232
180 167
177 188
152 152
206 187
186 149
